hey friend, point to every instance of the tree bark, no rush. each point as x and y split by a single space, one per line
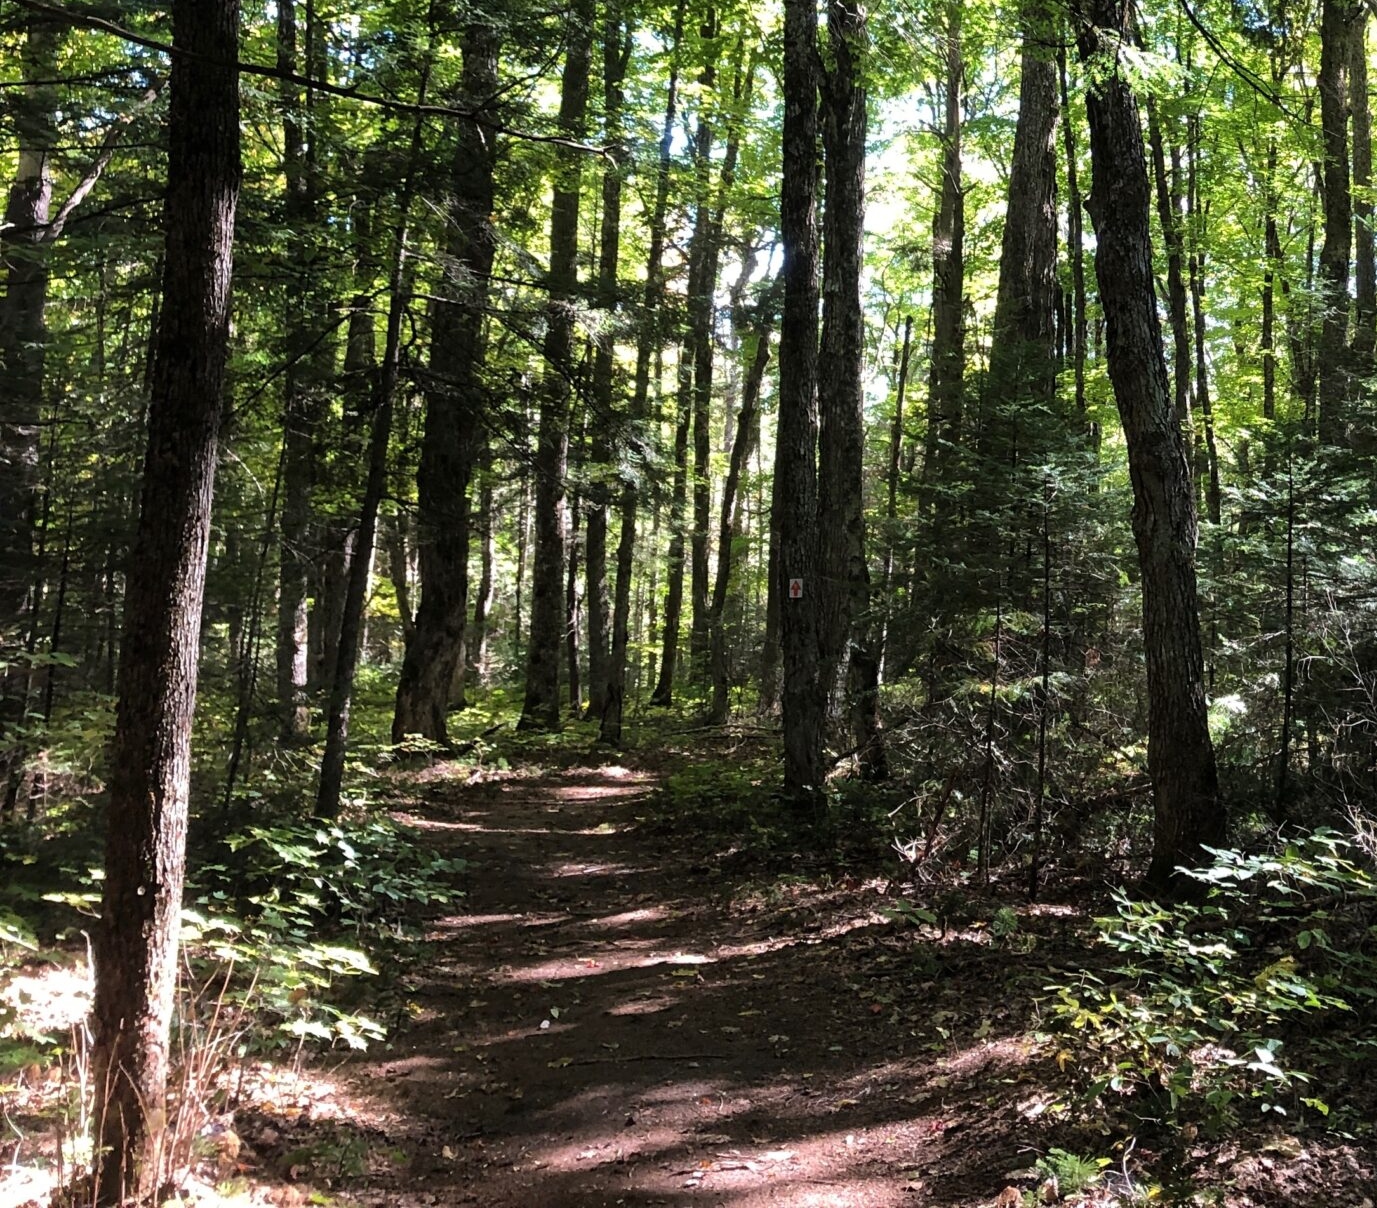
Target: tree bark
541 708
610 730
947 368
616 53
23 331
1339 21
795 484
150 758
455 403
844 639
1187 811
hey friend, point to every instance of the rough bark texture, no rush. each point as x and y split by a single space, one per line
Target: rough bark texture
1339 22
795 485
454 415
1180 758
844 578
541 708
23 333
301 403
616 51
1023 351
150 758
947 369
610 729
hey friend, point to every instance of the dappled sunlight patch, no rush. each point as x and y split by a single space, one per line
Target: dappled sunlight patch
571 869
48 998
594 961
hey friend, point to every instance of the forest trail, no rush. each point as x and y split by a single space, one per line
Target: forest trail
603 1024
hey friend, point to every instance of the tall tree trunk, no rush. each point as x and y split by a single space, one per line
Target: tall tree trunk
476 648
375 485
1075 248
455 403
150 756
1365 245
1023 360
301 399
23 337
663 695
541 708
1339 22
796 475
747 430
1187 810
896 448
844 637
1197 211
610 730
947 367
1169 203
616 53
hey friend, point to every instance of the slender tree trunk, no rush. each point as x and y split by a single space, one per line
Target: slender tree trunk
455 403
145 854
663 695
375 486
309 355
1075 242
1188 814
795 485
610 730
616 53
896 447
476 648
541 709
1169 215
1365 246
1198 213
947 367
747 430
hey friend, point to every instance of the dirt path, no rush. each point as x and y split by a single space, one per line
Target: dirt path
602 1027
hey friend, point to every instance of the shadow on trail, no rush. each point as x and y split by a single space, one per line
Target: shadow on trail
602 1024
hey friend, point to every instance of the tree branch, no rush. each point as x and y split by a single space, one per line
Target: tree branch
476 115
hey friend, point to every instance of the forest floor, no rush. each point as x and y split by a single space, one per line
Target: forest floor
620 1014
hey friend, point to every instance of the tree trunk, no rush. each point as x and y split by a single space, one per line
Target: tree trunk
616 51
541 708
947 368
1075 250
301 405
1187 810
476 648
1169 215
1339 22
795 484
375 485
610 730
663 695
844 637
1365 245
455 403
150 756
729 530
23 334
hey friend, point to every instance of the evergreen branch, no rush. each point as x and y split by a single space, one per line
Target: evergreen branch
346 92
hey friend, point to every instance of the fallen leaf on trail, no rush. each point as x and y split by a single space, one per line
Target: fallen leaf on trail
779 1155
559 1063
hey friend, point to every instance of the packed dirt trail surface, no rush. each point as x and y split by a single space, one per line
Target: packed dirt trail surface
601 1025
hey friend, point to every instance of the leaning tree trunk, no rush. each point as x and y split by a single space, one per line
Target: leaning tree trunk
454 415
796 443
541 708
1187 811
150 755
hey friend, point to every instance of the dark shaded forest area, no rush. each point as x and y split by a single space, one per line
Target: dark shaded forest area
652 604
